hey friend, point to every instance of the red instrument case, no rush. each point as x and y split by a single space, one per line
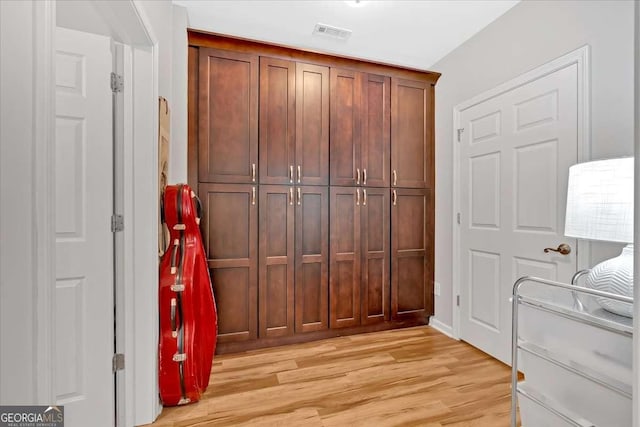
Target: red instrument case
188 318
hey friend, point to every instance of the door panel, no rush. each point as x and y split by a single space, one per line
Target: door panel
346 111
277 121
312 258
515 152
412 138
411 254
376 131
345 257
230 227
84 382
228 116
312 124
276 266
375 255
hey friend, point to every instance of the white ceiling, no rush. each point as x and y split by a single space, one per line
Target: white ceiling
409 33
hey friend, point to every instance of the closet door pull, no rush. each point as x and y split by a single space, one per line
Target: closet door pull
291 195
357 176
291 174
299 197
253 172
395 177
253 195
395 197
364 197
364 176
299 174
357 197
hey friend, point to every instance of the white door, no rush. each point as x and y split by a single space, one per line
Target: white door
84 242
515 151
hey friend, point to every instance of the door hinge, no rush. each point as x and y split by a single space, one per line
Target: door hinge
117 82
458 217
458 300
117 363
460 134
117 223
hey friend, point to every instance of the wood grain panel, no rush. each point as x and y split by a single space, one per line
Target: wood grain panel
345 257
312 124
376 131
277 120
276 264
312 259
345 128
230 236
228 116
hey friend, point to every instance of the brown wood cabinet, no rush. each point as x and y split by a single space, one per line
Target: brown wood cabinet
227 116
411 253
312 258
230 236
277 121
359 256
312 124
276 264
412 120
360 128
316 174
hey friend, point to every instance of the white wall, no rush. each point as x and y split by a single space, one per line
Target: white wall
179 129
527 36
17 248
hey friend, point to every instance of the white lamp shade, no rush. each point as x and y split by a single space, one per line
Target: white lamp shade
600 200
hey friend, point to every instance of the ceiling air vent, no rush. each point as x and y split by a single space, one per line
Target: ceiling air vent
332 32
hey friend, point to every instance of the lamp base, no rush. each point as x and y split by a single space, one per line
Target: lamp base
614 275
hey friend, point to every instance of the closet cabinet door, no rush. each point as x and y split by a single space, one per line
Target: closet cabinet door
412 133
312 124
345 257
276 265
346 130
277 121
312 258
411 254
230 232
228 116
376 131
375 255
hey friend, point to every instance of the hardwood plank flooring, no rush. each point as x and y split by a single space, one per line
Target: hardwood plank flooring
408 377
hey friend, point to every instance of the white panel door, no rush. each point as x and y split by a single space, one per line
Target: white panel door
515 152
84 242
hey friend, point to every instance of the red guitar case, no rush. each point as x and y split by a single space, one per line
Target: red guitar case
188 317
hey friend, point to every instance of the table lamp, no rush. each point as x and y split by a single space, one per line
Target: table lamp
600 207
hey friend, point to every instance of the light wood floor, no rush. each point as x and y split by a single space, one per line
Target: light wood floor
409 377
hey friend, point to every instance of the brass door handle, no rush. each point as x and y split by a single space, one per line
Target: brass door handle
395 198
395 178
562 249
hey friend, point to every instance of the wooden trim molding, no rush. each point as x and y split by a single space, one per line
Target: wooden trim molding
198 38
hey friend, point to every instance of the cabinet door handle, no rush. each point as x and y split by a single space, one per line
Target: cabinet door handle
299 197
253 195
291 174
364 176
357 197
395 177
253 172
299 174
291 195
364 197
357 176
395 197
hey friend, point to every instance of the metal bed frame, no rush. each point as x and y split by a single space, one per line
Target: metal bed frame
515 345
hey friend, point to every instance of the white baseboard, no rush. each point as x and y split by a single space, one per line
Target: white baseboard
441 327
